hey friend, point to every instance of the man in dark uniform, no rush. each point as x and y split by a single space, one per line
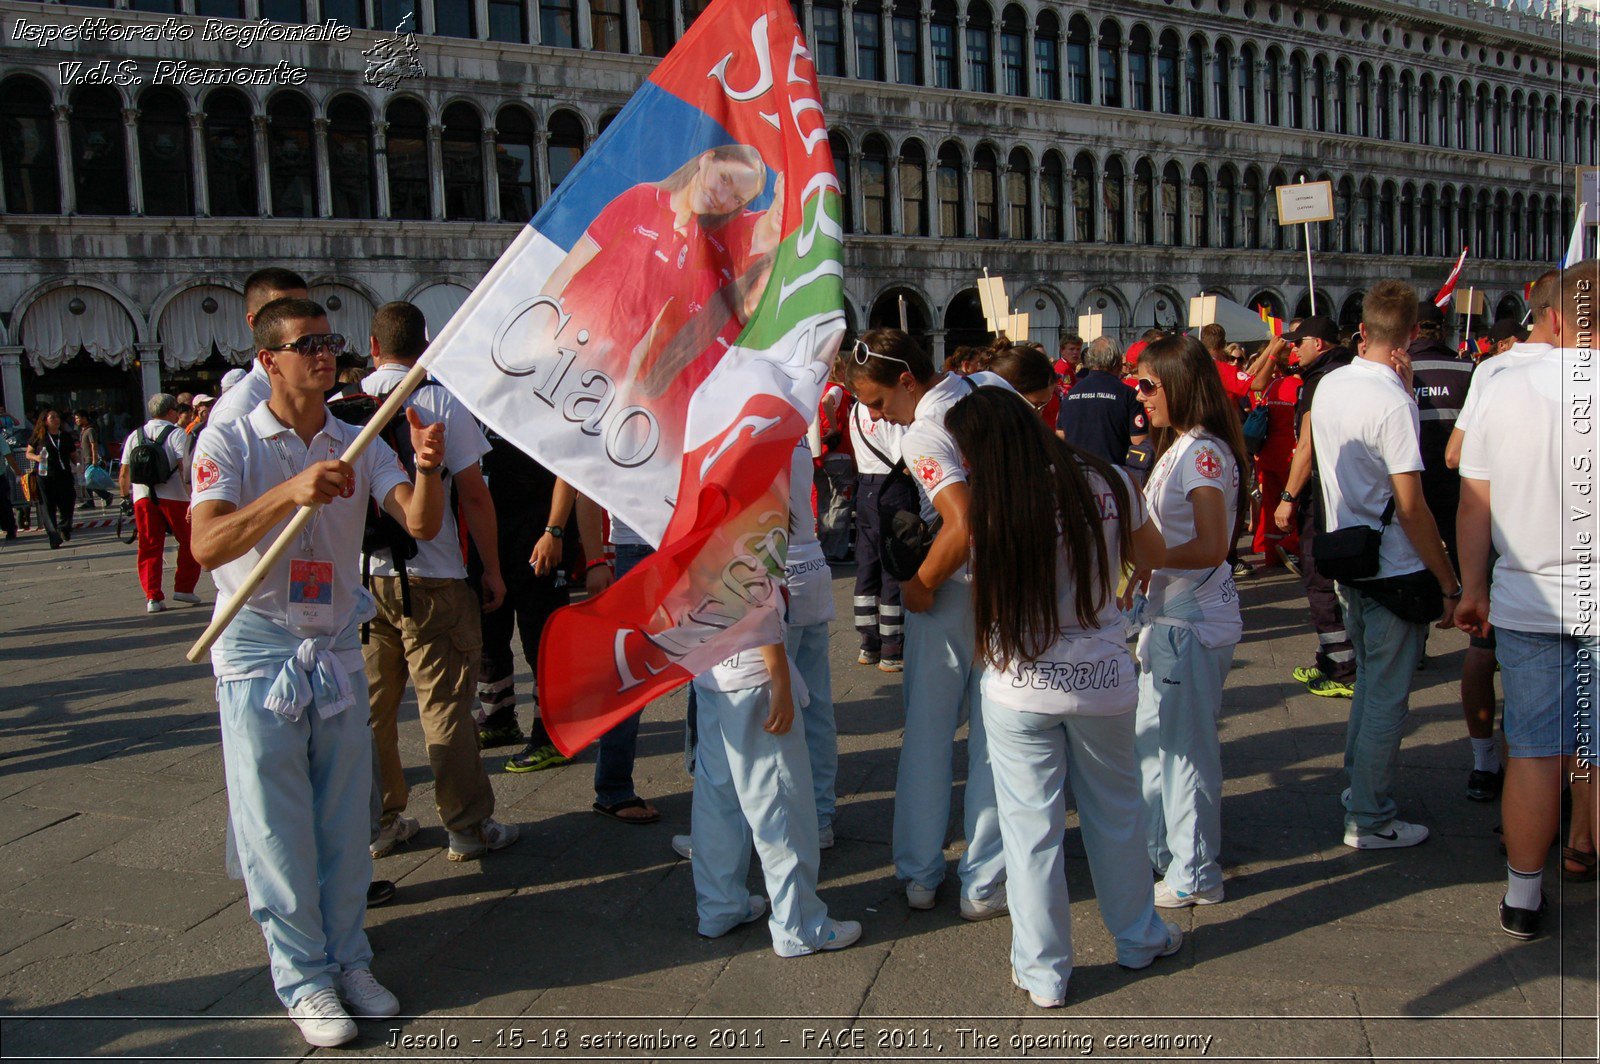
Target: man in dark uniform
1439 376
1101 414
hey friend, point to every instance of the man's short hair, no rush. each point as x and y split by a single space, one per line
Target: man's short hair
1103 354
274 282
400 329
1580 304
1545 293
1214 336
1152 335
1072 340
1389 312
161 404
272 319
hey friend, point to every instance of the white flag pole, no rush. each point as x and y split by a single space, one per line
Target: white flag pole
903 326
1472 301
1311 281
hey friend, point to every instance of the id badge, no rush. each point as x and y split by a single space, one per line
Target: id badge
310 593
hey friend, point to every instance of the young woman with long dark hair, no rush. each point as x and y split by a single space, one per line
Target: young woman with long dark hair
52 449
1059 687
1190 616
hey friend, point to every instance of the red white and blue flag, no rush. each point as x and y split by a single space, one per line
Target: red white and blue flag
1441 298
659 336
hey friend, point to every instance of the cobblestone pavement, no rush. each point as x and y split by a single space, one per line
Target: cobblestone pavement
120 934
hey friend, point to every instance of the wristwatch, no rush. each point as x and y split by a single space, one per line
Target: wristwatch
554 531
1285 496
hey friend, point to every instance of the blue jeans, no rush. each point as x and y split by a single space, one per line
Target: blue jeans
753 786
299 798
1033 754
941 690
1549 682
808 649
614 754
1387 652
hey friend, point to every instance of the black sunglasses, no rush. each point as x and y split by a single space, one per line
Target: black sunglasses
861 352
314 344
1147 386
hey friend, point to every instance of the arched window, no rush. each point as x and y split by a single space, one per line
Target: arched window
1364 102
907 42
1199 209
462 144
1139 68
1480 119
1501 250
1168 96
827 37
1449 230
1341 97
1144 203
564 147
914 188
1083 197
656 30
1272 89
841 166
1385 97
165 168
1047 56
874 179
867 23
1408 214
1019 196
1171 205
1427 226
1444 113
952 212
1366 220
980 33
1247 84
1193 70
1297 81
1532 242
1052 198
513 164
1463 115
291 156
1227 208
1274 235
1110 63
1250 209
985 194
1425 109
1112 191
1078 46
1498 126
942 38
608 28
1319 95
99 158
1386 234
350 158
1221 97
28 147
409 192
1403 108
230 155
1344 213
1013 63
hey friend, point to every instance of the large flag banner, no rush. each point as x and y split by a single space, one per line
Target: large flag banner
659 336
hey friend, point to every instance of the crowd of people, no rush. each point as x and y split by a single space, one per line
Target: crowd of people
1015 521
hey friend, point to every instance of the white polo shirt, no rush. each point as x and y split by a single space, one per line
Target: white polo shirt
241 461
464 444
867 434
1489 369
809 579
930 453
238 401
1195 460
1366 430
176 444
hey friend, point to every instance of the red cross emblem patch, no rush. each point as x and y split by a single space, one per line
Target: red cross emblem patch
206 473
929 470
1207 464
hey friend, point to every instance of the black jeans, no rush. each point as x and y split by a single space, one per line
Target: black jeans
60 499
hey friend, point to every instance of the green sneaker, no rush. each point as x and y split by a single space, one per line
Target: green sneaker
537 759
1304 674
491 734
1326 688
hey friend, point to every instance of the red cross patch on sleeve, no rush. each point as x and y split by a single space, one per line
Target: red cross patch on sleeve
1207 464
930 471
206 473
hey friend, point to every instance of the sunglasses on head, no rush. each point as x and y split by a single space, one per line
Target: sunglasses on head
861 352
1147 386
314 344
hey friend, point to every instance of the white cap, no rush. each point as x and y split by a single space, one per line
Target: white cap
232 377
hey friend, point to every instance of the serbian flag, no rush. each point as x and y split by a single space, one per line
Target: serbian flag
1274 325
1441 298
659 336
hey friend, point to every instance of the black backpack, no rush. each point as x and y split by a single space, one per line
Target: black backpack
383 534
149 465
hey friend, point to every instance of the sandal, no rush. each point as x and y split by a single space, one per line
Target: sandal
1579 857
615 811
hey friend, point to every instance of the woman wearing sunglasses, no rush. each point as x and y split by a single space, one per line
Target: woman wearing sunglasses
1059 688
1190 615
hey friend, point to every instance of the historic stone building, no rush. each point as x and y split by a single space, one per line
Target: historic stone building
1116 159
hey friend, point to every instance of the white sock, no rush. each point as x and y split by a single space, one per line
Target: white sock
1522 888
1485 755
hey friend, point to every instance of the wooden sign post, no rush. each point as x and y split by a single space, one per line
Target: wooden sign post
1302 204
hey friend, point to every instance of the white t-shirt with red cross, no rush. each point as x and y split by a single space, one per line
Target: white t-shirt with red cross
1203 600
931 455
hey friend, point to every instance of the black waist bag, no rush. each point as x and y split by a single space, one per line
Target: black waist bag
1414 598
904 537
1350 554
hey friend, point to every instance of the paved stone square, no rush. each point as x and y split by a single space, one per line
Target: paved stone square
121 935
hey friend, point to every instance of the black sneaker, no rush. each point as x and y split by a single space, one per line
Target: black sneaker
493 733
1484 786
1522 923
380 892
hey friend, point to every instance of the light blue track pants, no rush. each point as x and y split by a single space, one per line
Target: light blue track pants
808 649
1387 652
299 795
751 785
941 690
1180 755
1033 754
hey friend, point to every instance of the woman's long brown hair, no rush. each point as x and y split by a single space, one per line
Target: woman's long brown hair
1031 498
41 427
1195 399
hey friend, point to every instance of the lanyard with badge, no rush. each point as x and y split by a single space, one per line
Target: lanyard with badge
310 598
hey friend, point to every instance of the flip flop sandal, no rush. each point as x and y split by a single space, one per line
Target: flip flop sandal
615 811
1587 860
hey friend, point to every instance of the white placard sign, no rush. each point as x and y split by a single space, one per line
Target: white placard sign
1310 202
1089 327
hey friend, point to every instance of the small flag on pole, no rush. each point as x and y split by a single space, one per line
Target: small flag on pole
1575 245
1441 298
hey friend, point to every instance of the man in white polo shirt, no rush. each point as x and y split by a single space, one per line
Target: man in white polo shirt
260 288
293 696
161 508
1365 424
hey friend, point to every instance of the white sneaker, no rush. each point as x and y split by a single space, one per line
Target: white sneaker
1397 835
842 933
825 838
365 995
486 837
322 1020
683 847
1038 999
986 908
1174 944
392 834
186 596
1169 898
920 897
156 606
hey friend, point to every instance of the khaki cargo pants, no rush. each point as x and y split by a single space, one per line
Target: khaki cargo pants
437 648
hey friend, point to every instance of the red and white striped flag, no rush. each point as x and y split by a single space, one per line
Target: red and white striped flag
1441 299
